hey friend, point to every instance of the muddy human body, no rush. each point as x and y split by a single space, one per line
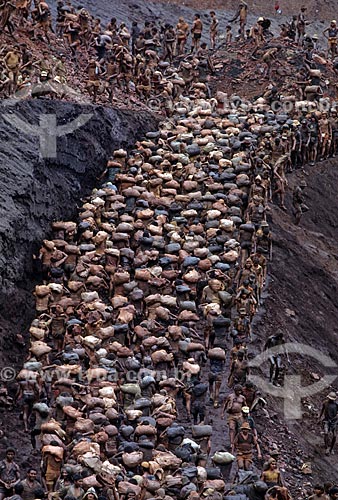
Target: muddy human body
329 413
275 360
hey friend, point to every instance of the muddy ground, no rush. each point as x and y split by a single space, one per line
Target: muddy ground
302 300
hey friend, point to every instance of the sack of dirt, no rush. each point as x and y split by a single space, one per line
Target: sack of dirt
84 447
133 389
39 348
52 427
132 459
121 277
162 356
124 488
145 430
72 412
175 431
37 333
188 305
47 439
222 457
105 332
91 482
91 341
225 297
42 290
41 407
166 460
107 392
134 414
32 365
56 451
215 484
191 367
188 316
200 431
217 353
195 346
143 274
84 425
142 403
89 297
96 374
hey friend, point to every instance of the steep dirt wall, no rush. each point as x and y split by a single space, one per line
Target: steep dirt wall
169 11
302 301
35 191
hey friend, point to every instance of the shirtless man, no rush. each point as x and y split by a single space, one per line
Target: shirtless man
233 405
43 18
301 23
196 32
239 370
257 34
325 135
28 392
298 201
93 82
331 33
12 62
269 57
275 360
182 33
242 14
330 413
7 9
213 29
334 129
9 474
169 42
281 181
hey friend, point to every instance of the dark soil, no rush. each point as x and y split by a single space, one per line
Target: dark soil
302 301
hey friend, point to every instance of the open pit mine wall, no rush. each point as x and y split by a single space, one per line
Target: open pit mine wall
35 191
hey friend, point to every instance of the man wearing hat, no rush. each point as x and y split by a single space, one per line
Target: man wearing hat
244 444
330 413
298 201
246 417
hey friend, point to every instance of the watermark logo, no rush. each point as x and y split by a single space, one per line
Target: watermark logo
47 130
292 391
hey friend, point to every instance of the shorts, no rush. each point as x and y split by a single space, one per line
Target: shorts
329 426
244 456
57 335
246 245
198 408
197 36
6 492
28 399
234 421
215 377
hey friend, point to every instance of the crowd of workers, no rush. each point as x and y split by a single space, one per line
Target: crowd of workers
143 61
148 299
